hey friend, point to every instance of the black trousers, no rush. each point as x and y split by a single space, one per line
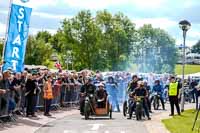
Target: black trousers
30 101
161 100
82 103
174 101
146 109
197 94
47 106
148 103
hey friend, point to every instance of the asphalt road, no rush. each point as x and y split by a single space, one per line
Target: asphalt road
77 124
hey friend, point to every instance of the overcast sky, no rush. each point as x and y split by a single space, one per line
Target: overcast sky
165 14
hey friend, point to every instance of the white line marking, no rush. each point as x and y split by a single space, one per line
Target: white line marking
70 131
95 127
66 131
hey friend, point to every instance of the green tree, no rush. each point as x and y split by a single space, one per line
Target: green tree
118 38
196 48
157 49
111 42
38 52
43 35
81 36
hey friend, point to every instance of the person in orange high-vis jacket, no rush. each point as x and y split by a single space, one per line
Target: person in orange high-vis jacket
48 96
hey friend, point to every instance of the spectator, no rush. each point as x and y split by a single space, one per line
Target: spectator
113 90
193 84
5 97
197 89
12 98
48 96
30 96
16 84
3 100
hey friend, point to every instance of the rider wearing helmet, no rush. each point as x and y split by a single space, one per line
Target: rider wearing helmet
101 95
133 83
87 89
158 89
148 89
141 91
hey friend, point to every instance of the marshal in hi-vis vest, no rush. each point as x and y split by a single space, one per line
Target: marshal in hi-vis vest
48 93
173 89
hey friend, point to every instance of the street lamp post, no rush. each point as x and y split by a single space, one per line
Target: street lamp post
185 26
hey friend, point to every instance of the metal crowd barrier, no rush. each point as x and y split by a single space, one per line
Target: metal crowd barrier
4 107
70 96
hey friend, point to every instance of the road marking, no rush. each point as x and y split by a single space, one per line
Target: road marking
109 132
70 131
95 127
67 131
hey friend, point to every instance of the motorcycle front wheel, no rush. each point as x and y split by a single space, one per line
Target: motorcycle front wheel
125 108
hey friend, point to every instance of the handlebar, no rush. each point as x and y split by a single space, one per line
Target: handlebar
138 98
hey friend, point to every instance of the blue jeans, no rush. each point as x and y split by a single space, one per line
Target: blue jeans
12 105
192 93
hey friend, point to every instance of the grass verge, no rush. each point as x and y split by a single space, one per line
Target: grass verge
189 69
183 123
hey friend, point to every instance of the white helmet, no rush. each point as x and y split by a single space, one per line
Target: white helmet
100 85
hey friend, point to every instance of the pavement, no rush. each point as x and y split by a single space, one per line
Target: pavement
156 126
30 125
69 121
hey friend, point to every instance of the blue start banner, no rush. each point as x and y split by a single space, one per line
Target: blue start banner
18 28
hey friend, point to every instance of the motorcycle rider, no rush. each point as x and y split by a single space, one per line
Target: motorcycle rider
87 89
133 83
141 91
157 88
148 89
98 78
101 96
131 87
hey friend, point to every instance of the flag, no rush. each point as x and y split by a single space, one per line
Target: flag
17 35
58 65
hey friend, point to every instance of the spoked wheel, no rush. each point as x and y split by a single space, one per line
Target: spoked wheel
125 108
155 104
86 115
158 104
87 111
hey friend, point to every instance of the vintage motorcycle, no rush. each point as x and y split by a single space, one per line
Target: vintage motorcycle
139 111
